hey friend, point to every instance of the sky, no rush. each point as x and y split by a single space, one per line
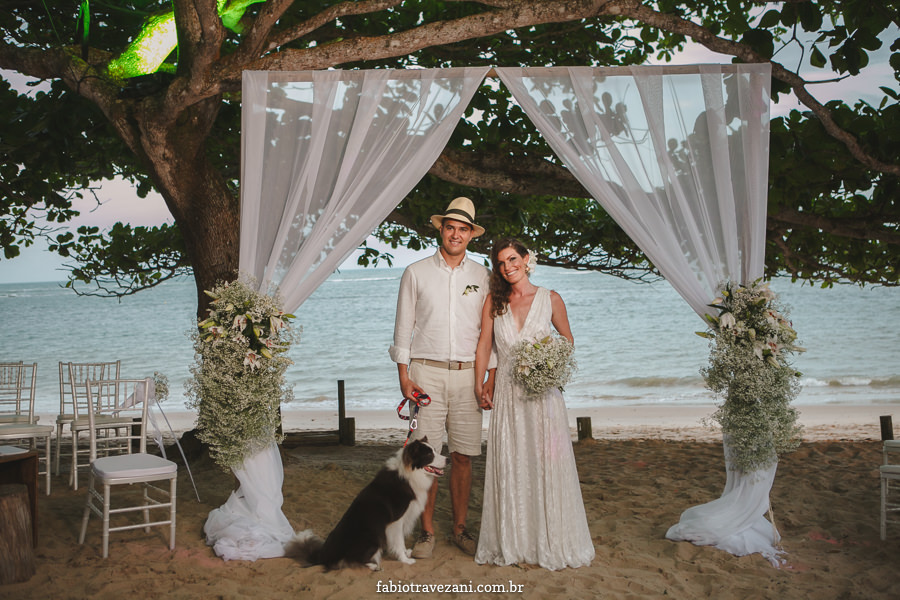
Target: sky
118 201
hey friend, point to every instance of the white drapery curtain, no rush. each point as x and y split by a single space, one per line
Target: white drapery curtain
678 156
325 156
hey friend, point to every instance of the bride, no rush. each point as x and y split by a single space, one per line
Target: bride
533 512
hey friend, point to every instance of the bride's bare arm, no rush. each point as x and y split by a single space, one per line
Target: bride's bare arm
560 317
482 356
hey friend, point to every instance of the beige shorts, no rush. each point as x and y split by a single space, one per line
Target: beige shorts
453 409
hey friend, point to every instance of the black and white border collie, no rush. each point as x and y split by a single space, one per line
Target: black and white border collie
380 517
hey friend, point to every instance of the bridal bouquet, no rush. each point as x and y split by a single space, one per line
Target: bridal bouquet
539 365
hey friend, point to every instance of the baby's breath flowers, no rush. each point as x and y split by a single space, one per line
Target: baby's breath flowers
543 364
749 369
238 373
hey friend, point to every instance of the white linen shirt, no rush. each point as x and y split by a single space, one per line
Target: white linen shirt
439 310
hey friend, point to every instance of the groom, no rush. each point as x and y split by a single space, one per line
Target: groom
435 334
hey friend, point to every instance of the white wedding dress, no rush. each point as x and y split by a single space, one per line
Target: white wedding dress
532 512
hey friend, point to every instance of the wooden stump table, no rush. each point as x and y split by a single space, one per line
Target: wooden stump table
16 548
22 467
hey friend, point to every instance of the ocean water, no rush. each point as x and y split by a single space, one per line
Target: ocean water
635 342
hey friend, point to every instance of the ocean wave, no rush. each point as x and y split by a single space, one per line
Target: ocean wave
356 279
686 381
852 381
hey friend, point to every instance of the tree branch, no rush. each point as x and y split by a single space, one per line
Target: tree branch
515 175
254 40
857 228
328 15
519 14
200 37
675 24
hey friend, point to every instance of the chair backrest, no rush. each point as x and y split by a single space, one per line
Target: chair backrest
73 378
891 451
17 385
122 399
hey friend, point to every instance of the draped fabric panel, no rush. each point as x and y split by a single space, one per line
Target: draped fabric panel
251 525
325 157
678 156
734 521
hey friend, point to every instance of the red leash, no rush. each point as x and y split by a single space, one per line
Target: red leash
419 400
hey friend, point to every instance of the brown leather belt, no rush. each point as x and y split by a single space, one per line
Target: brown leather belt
453 365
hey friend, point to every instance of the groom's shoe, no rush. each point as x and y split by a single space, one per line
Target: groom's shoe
424 546
465 542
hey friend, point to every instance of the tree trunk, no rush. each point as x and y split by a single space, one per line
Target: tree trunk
206 211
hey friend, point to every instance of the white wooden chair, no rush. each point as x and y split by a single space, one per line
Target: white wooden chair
126 398
17 420
889 471
72 408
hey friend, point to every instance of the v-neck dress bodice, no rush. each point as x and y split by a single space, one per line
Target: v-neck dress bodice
532 511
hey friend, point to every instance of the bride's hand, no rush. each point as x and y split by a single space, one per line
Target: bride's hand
485 400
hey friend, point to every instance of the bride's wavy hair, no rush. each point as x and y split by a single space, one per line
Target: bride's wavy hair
500 288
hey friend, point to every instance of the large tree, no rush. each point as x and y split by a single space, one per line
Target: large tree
171 123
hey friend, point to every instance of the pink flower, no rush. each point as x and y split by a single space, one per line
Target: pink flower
276 323
251 360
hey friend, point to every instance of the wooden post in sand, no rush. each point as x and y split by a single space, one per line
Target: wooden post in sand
16 549
346 426
887 428
584 428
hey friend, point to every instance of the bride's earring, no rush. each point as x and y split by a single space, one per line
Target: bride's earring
531 264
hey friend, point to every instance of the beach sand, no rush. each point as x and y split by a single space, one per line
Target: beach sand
644 466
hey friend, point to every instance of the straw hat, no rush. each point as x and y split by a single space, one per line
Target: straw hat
460 209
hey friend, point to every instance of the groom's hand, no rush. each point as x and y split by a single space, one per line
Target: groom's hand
410 389
407 387
486 400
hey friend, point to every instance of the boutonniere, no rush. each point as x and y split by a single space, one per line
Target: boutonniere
470 289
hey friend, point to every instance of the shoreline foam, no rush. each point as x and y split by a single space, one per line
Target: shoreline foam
682 422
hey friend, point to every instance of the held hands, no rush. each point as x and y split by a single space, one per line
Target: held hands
484 393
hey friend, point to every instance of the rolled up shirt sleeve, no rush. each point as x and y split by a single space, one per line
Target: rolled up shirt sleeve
405 320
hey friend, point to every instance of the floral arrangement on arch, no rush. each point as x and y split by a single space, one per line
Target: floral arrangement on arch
539 365
237 383
750 370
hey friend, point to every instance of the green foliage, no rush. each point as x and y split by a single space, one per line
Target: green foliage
55 145
123 260
813 174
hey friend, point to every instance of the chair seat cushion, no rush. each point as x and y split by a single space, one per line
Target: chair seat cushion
8 450
133 465
9 429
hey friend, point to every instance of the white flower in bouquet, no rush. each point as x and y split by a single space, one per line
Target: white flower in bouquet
543 364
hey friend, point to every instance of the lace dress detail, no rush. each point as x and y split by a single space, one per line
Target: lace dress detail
532 511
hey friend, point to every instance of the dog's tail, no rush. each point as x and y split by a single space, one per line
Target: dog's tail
305 547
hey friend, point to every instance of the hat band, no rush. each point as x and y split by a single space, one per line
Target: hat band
456 211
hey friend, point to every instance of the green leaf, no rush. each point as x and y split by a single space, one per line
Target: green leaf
816 58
